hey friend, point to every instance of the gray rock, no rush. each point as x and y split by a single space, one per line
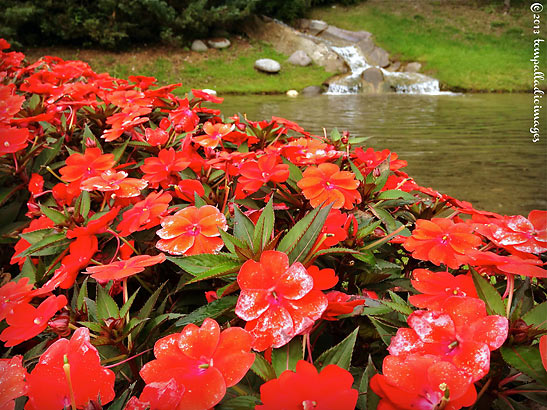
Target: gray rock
285 39
373 75
299 57
301 24
218 42
312 90
199 46
341 36
378 57
317 26
267 65
394 66
413 67
366 45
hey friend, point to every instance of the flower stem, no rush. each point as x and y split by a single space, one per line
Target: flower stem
511 284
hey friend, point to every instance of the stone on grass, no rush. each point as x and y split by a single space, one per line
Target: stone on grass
299 57
413 67
218 42
292 93
199 46
267 65
312 90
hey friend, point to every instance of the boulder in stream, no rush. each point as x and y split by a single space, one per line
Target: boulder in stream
372 80
312 90
378 57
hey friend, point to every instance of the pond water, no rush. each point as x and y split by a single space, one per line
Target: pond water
475 147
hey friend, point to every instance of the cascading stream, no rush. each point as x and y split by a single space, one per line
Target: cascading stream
401 82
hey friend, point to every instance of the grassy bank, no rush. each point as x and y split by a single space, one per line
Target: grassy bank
228 71
466 45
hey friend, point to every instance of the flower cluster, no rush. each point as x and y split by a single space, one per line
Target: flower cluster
165 256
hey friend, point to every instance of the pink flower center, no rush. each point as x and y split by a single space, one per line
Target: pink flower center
194 230
309 404
444 239
329 186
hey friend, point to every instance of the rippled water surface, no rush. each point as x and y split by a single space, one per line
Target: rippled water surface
475 147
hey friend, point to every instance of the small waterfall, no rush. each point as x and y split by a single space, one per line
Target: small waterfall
401 82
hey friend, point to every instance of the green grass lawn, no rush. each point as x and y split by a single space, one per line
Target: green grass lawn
464 46
226 71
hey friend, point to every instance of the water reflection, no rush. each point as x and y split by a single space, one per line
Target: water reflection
474 147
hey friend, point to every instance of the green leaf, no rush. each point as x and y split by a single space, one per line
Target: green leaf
198 201
56 239
262 368
149 305
230 241
264 227
298 242
364 390
82 294
401 308
119 150
85 204
211 310
537 316
91 308
239 403
340 354
47 155
395 194
119 403
335 250
127 305
385 331
356 171
335 135
106 306
489 294
224 269
243 227
94 327
527 360
196 264
286 357
56 216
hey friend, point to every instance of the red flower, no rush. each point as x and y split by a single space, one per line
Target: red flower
309 151
341 303
10 103
206 96
12 139
191 231
461 333
158 396
12 381
82 166
144 214
156 137
125 121
327 184
507 265
187 188
518 234
123 269
25 321
64 194
289 125
422 383
76 360
183 118
213 134
14 293
543 350
307 389
94 226
116 182
440 240
334 230
255 174
205 361
277 300
164 169
437 286
370 159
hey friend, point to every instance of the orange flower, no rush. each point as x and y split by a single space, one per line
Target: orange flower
123 269
255 174
117 182
440 240
164 169
92 162
144 214
191 231
327 184
213 134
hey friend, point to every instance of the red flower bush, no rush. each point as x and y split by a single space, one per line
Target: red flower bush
69 373
204 360
309 389
278 301
259 219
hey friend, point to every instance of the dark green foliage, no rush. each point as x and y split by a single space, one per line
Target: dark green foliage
117 24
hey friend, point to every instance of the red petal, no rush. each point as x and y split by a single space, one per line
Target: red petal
232 357
200 343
